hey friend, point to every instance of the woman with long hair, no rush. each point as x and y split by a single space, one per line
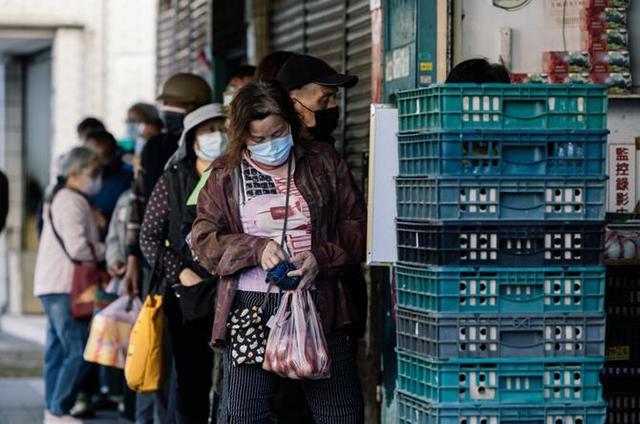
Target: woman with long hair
278 196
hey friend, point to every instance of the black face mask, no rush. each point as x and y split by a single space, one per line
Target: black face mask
173 121
326 123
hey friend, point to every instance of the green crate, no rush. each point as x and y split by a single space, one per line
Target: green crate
503 106
536 381
461 290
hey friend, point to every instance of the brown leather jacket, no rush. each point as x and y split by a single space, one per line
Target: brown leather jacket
338 219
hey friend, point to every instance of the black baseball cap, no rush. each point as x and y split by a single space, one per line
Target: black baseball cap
303 69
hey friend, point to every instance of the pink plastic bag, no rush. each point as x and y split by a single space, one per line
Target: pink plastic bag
296 347
110 330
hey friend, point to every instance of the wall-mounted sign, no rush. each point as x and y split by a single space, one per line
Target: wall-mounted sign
622 178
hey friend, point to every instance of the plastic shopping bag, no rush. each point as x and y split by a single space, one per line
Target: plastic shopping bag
296 347
110 330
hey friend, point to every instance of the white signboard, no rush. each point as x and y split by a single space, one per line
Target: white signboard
383 167
622 178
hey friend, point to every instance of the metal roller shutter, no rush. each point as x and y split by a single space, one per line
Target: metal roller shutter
338 31
183 31
287 25
358 100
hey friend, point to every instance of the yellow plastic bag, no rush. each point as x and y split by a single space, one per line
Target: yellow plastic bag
144 367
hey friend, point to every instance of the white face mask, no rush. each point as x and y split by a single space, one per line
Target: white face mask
211 145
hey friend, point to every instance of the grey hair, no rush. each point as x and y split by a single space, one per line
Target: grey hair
78 160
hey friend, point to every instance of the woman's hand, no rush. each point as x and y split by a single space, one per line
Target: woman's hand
307 269
272 255
117 270
132 276
188 278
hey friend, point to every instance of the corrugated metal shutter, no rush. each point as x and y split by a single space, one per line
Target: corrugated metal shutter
165 44
182 33
338 31
358 62
287 25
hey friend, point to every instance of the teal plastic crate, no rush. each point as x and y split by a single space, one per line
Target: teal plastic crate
503 106
536 381
497 336
500 290
500 198
412 410
503 152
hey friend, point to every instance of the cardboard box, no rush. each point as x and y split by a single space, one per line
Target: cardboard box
561 62
610 62
595 19
608 40
570 78
618 82
601 4
529 78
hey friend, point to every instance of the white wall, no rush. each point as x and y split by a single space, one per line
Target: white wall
103 60
103 57
535 28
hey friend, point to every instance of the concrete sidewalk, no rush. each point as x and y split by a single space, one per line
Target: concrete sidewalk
21 385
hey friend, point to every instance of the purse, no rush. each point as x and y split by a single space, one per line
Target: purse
87 278
144 368
247 326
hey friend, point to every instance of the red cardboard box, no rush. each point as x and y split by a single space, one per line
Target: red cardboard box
565 62
618 82
569 78
608 40
601 4
529 78
610 62
596 19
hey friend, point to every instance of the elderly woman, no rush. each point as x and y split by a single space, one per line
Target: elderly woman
274 181
70 216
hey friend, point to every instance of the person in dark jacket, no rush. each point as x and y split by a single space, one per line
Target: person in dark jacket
116 175
238 235
313 86
181 94
163 242
4 200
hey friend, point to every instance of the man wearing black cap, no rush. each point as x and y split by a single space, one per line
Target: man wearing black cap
313 87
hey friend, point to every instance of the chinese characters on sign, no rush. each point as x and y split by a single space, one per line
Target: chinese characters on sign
622 185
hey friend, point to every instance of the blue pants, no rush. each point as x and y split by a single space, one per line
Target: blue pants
64 366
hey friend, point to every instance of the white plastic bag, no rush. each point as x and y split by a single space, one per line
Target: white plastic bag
109 334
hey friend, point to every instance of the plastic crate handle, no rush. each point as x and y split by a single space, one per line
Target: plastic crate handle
508 106
528 150
509 338
505 194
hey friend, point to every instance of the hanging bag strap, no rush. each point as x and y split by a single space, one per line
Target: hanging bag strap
61 241
284 226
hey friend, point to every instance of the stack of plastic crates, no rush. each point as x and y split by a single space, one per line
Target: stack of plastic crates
500 284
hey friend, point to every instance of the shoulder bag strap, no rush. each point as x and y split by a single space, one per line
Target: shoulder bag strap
284 227
61 242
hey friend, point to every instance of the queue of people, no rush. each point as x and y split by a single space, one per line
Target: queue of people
210 201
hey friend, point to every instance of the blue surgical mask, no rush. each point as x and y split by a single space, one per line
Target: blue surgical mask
274 152
211 145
